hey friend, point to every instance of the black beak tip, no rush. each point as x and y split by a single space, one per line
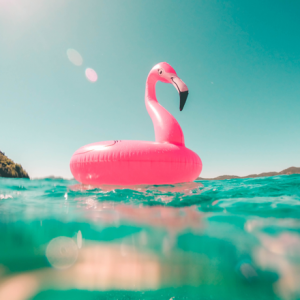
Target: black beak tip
183 97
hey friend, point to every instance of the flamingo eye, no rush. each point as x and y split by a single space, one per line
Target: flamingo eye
160 72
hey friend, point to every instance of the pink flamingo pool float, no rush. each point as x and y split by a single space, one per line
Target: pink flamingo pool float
165 161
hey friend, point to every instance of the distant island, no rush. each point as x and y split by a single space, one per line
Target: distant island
288 171
10 169
52 177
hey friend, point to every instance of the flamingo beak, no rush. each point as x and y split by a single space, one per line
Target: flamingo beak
183 97
182 90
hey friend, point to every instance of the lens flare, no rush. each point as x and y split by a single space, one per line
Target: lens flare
74 57
91 75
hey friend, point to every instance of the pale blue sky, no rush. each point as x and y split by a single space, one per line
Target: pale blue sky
240 60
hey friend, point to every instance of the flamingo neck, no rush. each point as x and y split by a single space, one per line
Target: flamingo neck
166 127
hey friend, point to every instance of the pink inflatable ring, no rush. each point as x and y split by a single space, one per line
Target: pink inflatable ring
165 161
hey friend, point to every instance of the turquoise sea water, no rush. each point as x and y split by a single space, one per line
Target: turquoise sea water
231 239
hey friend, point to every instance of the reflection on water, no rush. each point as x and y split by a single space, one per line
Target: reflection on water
183 188
103 266
209 240
281 254
167 218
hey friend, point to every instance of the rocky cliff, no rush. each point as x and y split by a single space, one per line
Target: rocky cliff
10 169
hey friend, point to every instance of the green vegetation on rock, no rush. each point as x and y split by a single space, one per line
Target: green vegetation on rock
9 169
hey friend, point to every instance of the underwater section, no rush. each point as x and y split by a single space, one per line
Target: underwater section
225 239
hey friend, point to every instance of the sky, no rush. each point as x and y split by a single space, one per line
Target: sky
239 59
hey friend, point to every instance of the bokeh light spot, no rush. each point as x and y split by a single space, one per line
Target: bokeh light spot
74 57
79 239
91 75
62 252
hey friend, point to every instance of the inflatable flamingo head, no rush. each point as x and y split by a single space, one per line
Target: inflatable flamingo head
165 73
